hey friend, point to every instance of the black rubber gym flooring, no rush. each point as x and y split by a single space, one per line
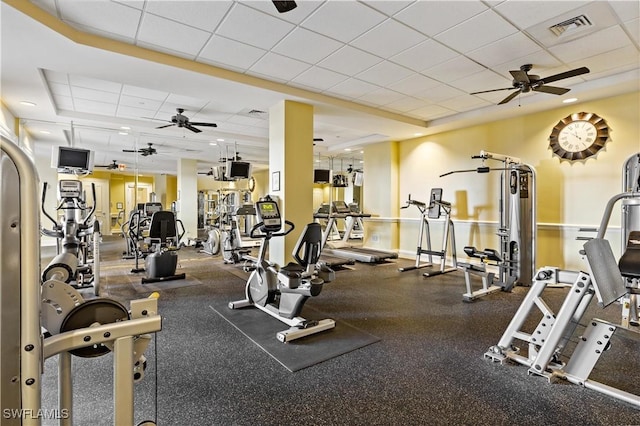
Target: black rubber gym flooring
427 369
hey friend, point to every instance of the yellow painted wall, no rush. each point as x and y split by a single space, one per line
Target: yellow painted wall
570 194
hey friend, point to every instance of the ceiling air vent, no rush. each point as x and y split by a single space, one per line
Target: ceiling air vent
571 25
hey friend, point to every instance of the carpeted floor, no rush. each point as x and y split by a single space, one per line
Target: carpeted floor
427 369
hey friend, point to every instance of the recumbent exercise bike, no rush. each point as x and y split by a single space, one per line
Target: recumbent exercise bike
282 292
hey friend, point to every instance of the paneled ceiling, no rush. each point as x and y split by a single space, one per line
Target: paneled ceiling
373 70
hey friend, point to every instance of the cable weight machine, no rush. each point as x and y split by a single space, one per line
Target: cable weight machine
516 257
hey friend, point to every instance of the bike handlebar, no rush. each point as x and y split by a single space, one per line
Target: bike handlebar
257 226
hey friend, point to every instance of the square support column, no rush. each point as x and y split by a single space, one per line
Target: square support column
188 196
291 171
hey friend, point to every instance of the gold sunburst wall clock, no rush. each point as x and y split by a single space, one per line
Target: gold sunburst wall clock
579 136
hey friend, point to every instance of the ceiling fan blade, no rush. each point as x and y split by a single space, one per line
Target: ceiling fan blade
166 125
493 90
551 89
129 150
508 98
203 124
190 127
567 74
520 76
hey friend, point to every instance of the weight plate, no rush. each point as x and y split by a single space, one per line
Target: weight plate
94 311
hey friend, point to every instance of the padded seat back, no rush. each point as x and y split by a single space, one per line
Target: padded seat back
307 249
629 263
163 227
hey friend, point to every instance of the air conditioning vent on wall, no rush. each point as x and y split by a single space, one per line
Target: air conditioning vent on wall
571 25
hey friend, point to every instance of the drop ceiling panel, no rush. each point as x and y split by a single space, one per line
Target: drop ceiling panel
60 89
483 80
97 95
352 88
626 10
295 16
613 59
307 46
110 17
278 66
205 15
171 35
414 83
381 97
424 55
134 112
94 107
432 111
223 51
384 73
141 92
253 27
142 103
405 104
633 28
464 103
591 45
503 50
319 79
453 69
336 19
350 61
388 7
434 17
525 14
439 93
541 61
478 31
388 39
94 83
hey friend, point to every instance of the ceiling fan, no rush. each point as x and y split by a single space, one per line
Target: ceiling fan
150 150
183 121
210 172
524 82
112 166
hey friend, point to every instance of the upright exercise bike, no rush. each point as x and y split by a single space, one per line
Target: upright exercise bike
282 292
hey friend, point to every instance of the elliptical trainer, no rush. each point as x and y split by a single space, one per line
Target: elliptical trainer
282 292
78 237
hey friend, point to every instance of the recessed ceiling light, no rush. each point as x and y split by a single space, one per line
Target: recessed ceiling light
317 161
213 143
347 149
125 128
220 140
45 132
361 152
27 103
361 161
123 133
417 134
569 100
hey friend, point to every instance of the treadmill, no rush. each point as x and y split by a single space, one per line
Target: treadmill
342 248
333 262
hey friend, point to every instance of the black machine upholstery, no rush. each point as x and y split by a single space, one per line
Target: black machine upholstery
307 250
163 229
629 263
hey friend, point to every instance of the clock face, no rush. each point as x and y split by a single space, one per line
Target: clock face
579 136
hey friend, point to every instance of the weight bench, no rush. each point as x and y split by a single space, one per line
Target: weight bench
629 265
486 256
554 332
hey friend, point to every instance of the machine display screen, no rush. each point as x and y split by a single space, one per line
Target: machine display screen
267 209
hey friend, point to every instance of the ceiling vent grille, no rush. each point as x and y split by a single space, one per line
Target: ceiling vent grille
571 25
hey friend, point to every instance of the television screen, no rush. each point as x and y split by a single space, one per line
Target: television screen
65 158
321 176
238 170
